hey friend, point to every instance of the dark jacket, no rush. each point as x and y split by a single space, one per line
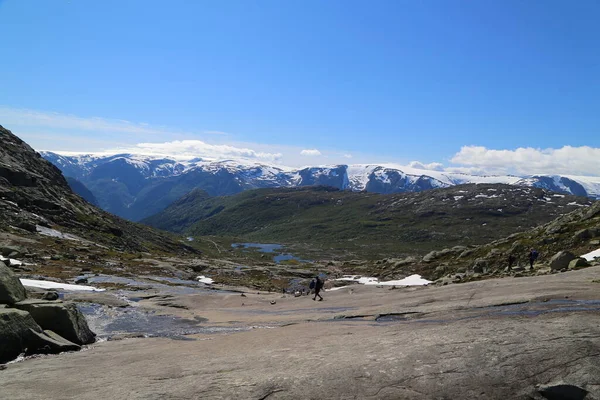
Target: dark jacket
318 284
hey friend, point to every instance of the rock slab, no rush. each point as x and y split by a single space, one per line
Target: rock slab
48 342
63 318
16 329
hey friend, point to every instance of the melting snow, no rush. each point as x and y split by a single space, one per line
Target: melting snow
591 255
204 279
42 230
56 285
14 261
413 280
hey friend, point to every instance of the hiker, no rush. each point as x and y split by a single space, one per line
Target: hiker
533 255
511 261
318 285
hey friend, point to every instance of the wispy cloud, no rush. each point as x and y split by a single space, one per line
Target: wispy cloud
567 160
310 152
41 119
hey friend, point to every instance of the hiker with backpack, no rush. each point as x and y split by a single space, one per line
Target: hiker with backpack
511 261
533 255
317 285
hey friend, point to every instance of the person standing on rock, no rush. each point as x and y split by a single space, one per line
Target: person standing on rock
533 255
318 287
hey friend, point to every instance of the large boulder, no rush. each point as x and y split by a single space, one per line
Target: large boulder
579 263
561 260
16 327
63 318
480 266
11 289
12 251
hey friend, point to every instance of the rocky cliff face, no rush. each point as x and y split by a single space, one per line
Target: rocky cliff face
34 194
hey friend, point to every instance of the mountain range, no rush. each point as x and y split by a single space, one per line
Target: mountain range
138 186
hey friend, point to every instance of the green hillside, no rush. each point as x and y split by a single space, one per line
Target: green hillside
326 221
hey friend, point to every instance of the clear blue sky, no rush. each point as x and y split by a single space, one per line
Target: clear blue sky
401 80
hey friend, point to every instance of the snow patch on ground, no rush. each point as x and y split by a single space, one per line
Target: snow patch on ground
413 280
591 255
42 230
13 261
204 279
56 285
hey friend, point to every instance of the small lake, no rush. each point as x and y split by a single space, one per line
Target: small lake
272 248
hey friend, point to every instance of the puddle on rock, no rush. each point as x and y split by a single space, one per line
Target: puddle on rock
107 322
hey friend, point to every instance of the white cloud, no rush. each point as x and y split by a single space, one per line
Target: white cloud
567 160
431 166
187 149
347 155
310 152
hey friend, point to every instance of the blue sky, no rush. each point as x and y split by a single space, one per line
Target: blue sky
353 81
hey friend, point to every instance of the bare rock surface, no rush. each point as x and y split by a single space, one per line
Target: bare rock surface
517 338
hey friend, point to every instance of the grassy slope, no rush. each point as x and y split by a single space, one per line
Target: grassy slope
366 224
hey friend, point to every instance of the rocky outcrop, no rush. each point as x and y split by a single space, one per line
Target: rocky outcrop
37 326
11 289
16 327
34 192
63 318
20 334
561 260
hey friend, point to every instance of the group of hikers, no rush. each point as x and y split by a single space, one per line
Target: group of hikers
532 256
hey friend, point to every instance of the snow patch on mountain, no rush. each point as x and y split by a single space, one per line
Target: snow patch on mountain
385 178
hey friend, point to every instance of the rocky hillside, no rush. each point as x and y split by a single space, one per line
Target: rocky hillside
330 221
34 197
135 186
559 243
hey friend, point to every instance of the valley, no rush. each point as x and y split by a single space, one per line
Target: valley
419 301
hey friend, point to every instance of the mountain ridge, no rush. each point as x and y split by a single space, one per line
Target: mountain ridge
35 197
135 186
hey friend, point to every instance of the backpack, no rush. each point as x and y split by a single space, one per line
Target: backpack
534 254
312 284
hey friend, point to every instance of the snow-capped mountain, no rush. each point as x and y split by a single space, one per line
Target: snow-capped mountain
137 186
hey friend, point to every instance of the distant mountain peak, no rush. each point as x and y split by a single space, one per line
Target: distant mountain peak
136 186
